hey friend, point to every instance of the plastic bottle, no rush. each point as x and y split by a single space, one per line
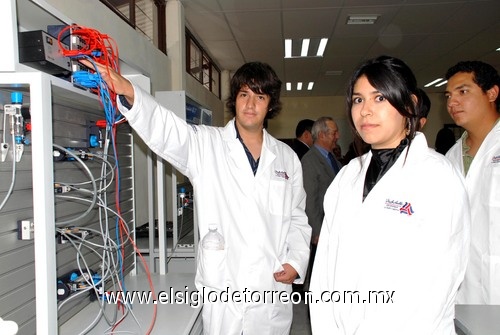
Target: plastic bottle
213 240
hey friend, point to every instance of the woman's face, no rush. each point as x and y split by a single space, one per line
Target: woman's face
376 120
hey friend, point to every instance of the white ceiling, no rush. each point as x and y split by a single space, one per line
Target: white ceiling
429 35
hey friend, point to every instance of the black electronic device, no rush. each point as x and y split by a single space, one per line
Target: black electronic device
41 51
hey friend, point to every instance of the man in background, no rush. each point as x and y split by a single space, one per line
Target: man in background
303 137
472 101
319 167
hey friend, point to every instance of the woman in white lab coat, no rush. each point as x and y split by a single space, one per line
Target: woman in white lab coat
250 187
393 247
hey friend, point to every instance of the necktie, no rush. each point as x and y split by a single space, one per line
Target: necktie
333 163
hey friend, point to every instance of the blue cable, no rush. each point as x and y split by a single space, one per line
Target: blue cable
95 81
86 79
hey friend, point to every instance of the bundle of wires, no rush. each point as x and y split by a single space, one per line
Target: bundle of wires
90 44
99 48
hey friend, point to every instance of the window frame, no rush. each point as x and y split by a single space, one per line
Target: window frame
159 26
207 66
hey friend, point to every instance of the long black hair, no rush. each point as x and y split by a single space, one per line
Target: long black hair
396 82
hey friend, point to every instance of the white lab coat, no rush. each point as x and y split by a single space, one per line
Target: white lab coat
482 278
261 217
415 261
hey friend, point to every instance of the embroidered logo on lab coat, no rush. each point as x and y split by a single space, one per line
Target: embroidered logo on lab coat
495 159
402 207
281 174
406 209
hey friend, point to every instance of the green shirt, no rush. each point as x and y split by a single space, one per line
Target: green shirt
465 151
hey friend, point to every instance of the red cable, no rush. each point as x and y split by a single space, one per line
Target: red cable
103 49
123 231
100 47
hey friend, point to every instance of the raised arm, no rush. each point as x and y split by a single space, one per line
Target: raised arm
115 81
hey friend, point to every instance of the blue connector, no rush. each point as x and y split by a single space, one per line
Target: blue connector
16 98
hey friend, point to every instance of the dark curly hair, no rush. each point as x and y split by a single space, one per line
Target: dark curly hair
484 75
261 79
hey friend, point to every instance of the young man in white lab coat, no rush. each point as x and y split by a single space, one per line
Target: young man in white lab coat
472 101
247 183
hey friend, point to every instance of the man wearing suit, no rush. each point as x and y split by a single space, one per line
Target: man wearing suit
319 167
303 137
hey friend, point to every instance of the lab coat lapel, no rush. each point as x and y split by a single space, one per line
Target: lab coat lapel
484 150
267 155
240 167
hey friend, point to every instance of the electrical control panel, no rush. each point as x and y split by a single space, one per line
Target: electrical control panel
41 51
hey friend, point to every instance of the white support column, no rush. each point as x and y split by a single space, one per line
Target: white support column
176 41
151 211
43 204
43 196
160 198
8 26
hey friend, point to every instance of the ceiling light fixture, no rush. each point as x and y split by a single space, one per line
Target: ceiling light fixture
299 47
498 49
300 85
442 83
433 82
305 47
362 19
322 47
288 48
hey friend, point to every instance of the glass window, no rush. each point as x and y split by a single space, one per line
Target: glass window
195 60
200 65
144 18
215 81
140 14
123 7
206 73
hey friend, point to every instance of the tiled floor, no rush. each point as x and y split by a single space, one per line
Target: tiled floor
300 323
